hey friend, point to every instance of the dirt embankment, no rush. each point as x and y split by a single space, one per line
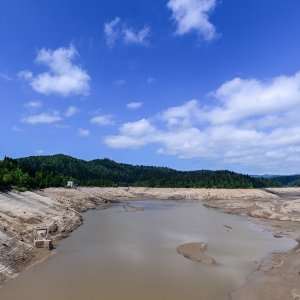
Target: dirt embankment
20 213
60 210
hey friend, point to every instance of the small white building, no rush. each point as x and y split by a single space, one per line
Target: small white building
70 184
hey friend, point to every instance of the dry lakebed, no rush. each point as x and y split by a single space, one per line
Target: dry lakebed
234 244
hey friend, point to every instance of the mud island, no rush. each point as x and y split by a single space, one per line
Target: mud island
196 252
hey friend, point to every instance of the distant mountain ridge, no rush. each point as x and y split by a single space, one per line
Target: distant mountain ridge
56 170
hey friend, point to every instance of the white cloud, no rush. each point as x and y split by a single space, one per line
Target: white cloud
117 30
134 105
132 36
46 118
193 15
33 104
244 98
25 74
120 82
132 135
252 126
71 111
138 128
83 132
64 78
124 142
103 120
111 31
5 77
183 115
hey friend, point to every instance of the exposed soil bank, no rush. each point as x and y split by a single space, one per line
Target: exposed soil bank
20 213
277 278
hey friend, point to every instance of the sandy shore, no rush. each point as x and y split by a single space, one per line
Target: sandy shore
278 277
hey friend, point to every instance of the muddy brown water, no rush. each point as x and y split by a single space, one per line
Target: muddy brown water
132 255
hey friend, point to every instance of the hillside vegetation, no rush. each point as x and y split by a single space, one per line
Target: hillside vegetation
289 180
54 171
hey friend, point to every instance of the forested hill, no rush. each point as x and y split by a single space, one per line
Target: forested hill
56 170
288 180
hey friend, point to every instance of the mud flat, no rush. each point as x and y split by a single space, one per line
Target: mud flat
277 277
118 254
196 252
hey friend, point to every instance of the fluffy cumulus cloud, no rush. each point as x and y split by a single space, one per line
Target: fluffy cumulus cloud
132 135
63 77
138 128
183 115
252 125
193 16
116 30
242 99
103 120
42 118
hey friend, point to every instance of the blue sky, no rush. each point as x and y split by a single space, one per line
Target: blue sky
188 84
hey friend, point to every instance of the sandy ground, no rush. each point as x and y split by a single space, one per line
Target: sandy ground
278 276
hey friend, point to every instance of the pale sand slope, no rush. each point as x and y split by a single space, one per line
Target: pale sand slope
21 212
61 208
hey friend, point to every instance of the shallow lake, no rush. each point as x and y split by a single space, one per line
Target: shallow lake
132 256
